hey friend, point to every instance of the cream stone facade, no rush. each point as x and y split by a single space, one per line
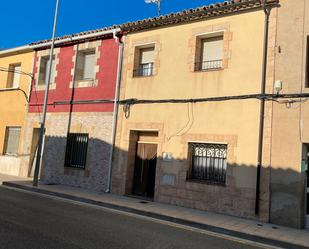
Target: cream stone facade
172 126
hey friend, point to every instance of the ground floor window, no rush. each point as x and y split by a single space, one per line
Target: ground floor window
208 162
76 150
11 142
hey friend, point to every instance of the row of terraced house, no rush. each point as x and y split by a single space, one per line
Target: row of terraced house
204 108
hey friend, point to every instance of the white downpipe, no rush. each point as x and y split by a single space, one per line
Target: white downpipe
115 113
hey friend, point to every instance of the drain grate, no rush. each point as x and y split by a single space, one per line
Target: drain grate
144 202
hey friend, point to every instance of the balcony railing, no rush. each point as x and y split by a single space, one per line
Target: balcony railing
143 70
208 65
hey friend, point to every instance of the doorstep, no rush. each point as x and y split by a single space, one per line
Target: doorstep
223 224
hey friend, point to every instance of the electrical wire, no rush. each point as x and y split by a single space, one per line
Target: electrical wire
16 89
3 69
291 98
8 70
187 126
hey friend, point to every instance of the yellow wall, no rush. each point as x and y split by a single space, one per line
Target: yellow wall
232 122
13 106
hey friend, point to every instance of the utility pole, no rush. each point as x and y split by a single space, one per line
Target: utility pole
42 126
157 2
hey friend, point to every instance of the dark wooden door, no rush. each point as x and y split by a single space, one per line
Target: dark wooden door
145 170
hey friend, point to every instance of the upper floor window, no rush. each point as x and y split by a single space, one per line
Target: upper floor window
11 142
209 53
85 65
44 67
208 162
144 62
14 75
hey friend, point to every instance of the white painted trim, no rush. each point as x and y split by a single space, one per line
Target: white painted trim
76 38
16 50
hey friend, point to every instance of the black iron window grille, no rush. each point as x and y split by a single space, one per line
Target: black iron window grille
76 150
145 69
208 65
208 162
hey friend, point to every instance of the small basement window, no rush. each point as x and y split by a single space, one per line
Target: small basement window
209 54
76 150
43 73
11 142
85 65
208 162
144 62
14 75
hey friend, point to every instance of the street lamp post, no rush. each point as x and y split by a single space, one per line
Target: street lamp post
42 126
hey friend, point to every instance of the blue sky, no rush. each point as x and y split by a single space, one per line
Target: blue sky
26 21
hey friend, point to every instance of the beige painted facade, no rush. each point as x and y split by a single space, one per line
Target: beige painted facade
13 106
290 134
234 123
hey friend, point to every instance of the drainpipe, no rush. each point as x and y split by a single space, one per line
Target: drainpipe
116 107
267 10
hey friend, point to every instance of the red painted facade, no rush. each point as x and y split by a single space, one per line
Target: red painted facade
105 89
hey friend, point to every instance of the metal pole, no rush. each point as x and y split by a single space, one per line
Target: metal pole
159 7
115 114
262 110
42 127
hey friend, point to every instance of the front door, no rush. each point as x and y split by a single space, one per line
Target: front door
145 170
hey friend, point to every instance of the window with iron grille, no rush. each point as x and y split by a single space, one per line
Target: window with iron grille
11 143
144 62
76 151
208 162
209 52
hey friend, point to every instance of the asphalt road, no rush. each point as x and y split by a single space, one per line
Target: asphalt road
30 221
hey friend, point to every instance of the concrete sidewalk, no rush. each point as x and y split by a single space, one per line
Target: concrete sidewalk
242 228
7 178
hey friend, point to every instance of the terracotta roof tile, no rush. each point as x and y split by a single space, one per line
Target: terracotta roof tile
212 10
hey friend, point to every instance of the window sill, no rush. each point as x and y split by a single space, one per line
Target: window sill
142 76
206 182
84 83
9 89
74 168
10 155
52 86
209 70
